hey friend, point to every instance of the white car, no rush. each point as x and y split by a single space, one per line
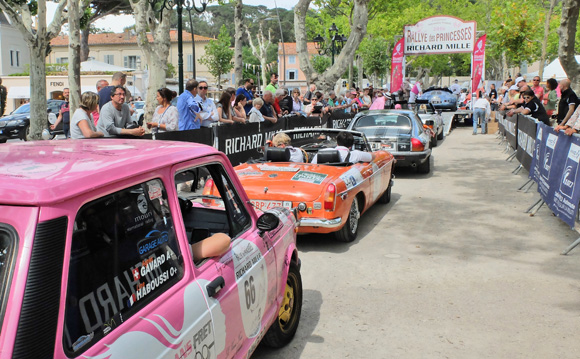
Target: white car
139 107
427 112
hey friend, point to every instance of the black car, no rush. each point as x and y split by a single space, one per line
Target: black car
441 98
17 124
399 132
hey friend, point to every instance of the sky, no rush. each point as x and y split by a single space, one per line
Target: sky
117 23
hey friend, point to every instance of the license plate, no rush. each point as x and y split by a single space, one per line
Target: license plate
265 205
387 145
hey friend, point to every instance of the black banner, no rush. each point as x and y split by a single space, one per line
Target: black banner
339 119
202 135
298 122
527 128
242 142
511 124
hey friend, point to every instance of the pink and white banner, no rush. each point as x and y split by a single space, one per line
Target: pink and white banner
397 66
478 65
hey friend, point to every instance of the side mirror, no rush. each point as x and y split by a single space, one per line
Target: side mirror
429 123
268 222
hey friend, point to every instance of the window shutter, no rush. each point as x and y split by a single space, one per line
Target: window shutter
125 61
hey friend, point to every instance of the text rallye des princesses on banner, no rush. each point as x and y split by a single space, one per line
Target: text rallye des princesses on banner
440 35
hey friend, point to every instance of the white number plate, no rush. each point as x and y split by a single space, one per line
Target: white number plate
265 205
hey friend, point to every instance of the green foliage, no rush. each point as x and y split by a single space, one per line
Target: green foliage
218 55
170 72
373 52
320 63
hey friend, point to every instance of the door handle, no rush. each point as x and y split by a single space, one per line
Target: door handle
215 286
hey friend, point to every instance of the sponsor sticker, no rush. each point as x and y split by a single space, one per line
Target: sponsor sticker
249 173
280 169
310 177
154 191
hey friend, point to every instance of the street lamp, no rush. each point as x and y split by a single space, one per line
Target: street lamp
188 5
336 42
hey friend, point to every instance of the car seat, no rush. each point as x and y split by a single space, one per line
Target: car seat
277 154
328 156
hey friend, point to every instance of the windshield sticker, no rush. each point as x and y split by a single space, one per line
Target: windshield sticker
142 204
310 177
154 190
276 168
249 173
351 178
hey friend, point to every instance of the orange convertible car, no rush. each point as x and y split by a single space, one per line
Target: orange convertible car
328 196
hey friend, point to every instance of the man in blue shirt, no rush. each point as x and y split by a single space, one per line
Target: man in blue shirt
246 90
208 111
188 108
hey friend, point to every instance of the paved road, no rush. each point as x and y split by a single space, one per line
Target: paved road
451 268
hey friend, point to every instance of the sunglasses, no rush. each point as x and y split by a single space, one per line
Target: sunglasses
527 98
202 87
119 94
536 79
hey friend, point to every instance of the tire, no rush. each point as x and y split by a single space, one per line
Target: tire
24 133
349 231
434 141
286 323
440 136
425 167
386 196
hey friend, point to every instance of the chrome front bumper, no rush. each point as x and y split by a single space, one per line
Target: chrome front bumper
320 222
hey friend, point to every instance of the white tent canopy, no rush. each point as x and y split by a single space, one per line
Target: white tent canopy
553 70
94 65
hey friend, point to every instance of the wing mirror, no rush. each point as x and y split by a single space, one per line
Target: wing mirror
267 222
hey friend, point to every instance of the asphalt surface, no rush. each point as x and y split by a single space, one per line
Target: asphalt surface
451 268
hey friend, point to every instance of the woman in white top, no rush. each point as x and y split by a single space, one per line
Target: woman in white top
166 116
82 124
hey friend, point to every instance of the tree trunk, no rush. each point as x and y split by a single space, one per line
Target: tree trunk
327 80
37 38
155 52
350 74
545 40
360 72
85 50
74 48
261 52
567 31
238 70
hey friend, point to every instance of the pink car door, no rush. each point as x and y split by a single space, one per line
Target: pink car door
242 280
130 290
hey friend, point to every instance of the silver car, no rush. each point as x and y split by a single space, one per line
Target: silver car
399 132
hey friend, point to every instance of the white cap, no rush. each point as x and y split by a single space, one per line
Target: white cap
514 87
519 79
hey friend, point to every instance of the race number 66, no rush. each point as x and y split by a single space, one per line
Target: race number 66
250 290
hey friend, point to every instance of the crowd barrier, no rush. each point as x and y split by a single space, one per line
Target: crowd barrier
241 142
553 161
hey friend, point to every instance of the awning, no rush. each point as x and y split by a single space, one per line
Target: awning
98 66
17 92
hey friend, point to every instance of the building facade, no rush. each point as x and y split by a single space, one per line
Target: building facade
14 53
289 70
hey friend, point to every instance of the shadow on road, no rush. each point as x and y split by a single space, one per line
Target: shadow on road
311 304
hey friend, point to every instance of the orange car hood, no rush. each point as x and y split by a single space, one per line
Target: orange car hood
287 181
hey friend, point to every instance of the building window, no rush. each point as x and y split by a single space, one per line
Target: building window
292 59
132 62
110 59
62 60
291 75
14 58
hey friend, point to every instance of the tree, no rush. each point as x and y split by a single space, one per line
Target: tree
38 39
320 63
374 55
567 31
326 80
218 56
76 10
261 50
239 33
155 51
548 15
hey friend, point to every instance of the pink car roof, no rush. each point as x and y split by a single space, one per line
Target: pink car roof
39 172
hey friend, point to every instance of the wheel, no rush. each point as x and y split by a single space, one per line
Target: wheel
425 167
386 196
434 141
349 231
24 133
440 136
285 325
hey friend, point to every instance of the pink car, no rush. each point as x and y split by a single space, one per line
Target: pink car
96 256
